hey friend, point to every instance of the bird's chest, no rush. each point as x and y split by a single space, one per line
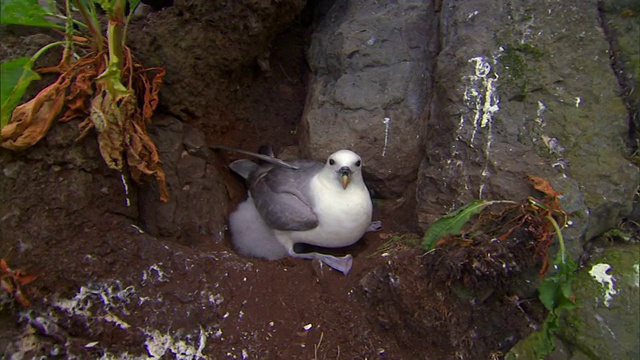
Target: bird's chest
343 214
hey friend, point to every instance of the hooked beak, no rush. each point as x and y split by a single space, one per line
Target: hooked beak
345 176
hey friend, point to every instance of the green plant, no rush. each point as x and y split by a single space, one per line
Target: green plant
556 295
98 82
452 223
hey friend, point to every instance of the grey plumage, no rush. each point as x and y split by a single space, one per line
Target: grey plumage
245 222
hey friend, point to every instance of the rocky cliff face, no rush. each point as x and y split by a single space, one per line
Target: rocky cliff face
467 98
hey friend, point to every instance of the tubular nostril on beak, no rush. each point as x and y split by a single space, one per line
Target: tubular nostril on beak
345 176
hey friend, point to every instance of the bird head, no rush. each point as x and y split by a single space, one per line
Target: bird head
346 165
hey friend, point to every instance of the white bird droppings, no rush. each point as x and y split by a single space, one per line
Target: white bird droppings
599 273
126 190
387 124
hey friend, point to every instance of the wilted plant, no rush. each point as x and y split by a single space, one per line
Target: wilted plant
540 219
12 282
99 82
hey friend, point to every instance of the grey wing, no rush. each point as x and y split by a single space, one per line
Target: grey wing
282 197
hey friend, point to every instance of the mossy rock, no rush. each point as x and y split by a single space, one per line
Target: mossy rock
605 323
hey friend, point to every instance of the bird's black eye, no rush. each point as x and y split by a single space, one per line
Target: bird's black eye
358 163
332 162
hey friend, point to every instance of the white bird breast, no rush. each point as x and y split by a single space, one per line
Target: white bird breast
342 222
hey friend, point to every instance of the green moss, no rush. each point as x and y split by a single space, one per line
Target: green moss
617 234
516 59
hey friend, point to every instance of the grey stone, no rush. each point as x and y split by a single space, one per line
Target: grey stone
54 190
371 65
195 142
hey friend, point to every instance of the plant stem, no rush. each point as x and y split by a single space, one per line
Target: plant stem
35 56
555 225
114 38
92 23
111 78
133 6
68 35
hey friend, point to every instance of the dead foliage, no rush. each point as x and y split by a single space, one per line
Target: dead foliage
31 120
12 282
502 243
121 123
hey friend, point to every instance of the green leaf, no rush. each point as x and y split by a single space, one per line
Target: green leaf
110 78
555 294
539 344
106 5
555 290
16 76
25 12
133 4
452 222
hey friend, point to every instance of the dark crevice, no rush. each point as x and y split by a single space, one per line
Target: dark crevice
625 78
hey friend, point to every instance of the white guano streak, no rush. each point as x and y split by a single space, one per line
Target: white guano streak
126 190
387 124
482 94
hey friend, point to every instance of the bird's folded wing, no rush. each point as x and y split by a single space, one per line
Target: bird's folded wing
282 197
243 167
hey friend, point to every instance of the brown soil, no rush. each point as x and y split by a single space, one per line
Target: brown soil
105 288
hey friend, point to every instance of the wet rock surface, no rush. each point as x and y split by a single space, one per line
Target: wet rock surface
620 23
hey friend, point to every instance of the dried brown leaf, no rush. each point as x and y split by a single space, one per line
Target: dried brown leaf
107 120
151 99
143 158
544 186
31 120
21 298
80 92
24 279
11 280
